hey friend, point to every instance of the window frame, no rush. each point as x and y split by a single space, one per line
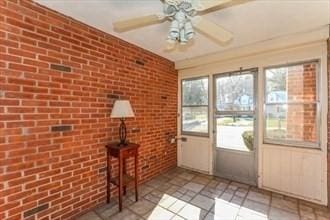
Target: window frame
253 113
195 133
294 143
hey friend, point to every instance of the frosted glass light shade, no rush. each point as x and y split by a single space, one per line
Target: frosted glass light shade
122 109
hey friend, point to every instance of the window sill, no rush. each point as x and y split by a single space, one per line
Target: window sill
315 147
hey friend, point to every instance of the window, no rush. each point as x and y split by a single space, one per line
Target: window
195 100
292 105
235 114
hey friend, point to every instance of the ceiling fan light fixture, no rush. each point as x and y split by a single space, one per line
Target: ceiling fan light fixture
170 10
174 32
183 40
184 21
179 12
189 30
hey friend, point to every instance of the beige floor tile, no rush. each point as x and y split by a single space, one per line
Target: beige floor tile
204 180
211 216
324 212
211 193
192 212
109 211
157 193
162 179
256 206
142 207
202 202
167 200
225 210
310 204
279 214
187 176
191 193
178 181
181 194
252 217
173 189
252 210
222 186
240 185
177 194
125 214
159 213
145 189
232 187
237 200
249 215
230 191
259 197
142 191
242 192
164 187
153 198
305 208
226 196
288 205
182 190
213 183
186 198
171 174
177 217
89 216
177 206
195 187
154 183
222 180
320 217
307 215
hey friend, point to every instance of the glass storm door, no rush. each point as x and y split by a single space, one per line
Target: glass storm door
234 126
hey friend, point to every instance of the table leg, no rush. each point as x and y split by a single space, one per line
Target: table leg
136 176
108 176
124 168
120 181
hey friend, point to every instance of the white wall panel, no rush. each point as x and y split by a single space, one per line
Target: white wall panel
293 171
195 153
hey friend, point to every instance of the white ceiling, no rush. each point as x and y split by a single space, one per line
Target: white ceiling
251 22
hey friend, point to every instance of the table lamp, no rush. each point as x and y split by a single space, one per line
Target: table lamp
122 109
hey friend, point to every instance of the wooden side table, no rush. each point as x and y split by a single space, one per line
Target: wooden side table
122 152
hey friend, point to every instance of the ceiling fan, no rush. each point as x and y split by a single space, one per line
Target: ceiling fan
184 18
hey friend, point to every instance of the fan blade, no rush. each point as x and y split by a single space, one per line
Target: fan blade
212 30
129 24
209 4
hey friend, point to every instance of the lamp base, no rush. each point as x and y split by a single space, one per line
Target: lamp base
122 133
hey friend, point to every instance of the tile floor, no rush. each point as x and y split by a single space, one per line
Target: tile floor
182 194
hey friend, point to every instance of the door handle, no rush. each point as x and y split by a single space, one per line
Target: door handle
183 139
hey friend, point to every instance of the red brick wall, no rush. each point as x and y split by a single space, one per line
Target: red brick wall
301 86
54 119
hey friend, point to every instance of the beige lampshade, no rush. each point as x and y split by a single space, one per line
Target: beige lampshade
122 109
